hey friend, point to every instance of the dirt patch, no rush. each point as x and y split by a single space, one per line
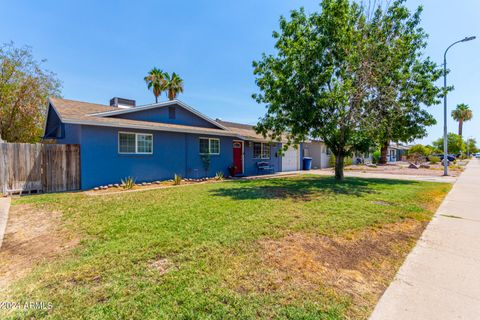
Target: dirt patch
359 265
163 265
32 236
383 203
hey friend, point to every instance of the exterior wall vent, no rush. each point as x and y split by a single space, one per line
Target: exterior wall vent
122 103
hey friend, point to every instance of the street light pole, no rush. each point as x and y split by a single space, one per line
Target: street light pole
445 142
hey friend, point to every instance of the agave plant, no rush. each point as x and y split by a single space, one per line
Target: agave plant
128 183
177 179
219 175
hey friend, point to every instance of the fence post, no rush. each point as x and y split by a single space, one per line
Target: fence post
3 168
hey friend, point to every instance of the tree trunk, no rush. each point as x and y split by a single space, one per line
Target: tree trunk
383 153
460 127
156 99
339 164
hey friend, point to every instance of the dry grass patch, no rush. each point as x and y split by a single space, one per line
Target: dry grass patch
358 265
163 265
32 236
431 199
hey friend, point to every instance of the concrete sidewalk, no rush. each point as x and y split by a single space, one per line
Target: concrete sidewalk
440 278
4 208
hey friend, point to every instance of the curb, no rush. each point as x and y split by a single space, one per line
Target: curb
4 208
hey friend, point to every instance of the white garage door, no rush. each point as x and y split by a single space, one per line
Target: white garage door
291 159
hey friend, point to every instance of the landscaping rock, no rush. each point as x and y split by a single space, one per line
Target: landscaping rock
110 185
96 189
116 185
412 166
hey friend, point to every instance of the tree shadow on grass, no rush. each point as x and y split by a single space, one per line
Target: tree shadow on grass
304 188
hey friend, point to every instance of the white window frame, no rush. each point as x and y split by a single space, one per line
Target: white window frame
209 146
136 142
262 145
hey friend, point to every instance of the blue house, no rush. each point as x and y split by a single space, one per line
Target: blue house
155 141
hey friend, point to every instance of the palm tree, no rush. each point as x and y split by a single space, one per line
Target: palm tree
155 80
461 114
174 85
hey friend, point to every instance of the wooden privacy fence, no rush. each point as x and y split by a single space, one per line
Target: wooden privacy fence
27 168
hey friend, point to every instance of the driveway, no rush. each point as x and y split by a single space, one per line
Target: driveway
440 278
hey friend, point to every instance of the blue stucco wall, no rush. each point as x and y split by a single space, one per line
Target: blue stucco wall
173 153
251 163
102 164
182 116
53 127
72 134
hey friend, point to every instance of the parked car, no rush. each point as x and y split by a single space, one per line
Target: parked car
450 157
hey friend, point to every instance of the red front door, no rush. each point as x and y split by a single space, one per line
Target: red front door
238 156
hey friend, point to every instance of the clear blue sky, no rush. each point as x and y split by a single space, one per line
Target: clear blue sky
101 49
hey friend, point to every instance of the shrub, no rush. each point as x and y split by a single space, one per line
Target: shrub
434 159
418 149
128 183
219 175
177 179
376 156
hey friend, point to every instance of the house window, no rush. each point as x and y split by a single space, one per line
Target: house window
144 143
209 146
171 112
135 143
261 150
126 142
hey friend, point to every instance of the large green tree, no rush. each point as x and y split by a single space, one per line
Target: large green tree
315 86
456 145
471 146
24 89
461 114
402 78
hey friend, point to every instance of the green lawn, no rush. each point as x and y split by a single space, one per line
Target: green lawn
213 247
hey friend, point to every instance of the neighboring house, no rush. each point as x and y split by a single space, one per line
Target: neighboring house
156 141
396 151
319 152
